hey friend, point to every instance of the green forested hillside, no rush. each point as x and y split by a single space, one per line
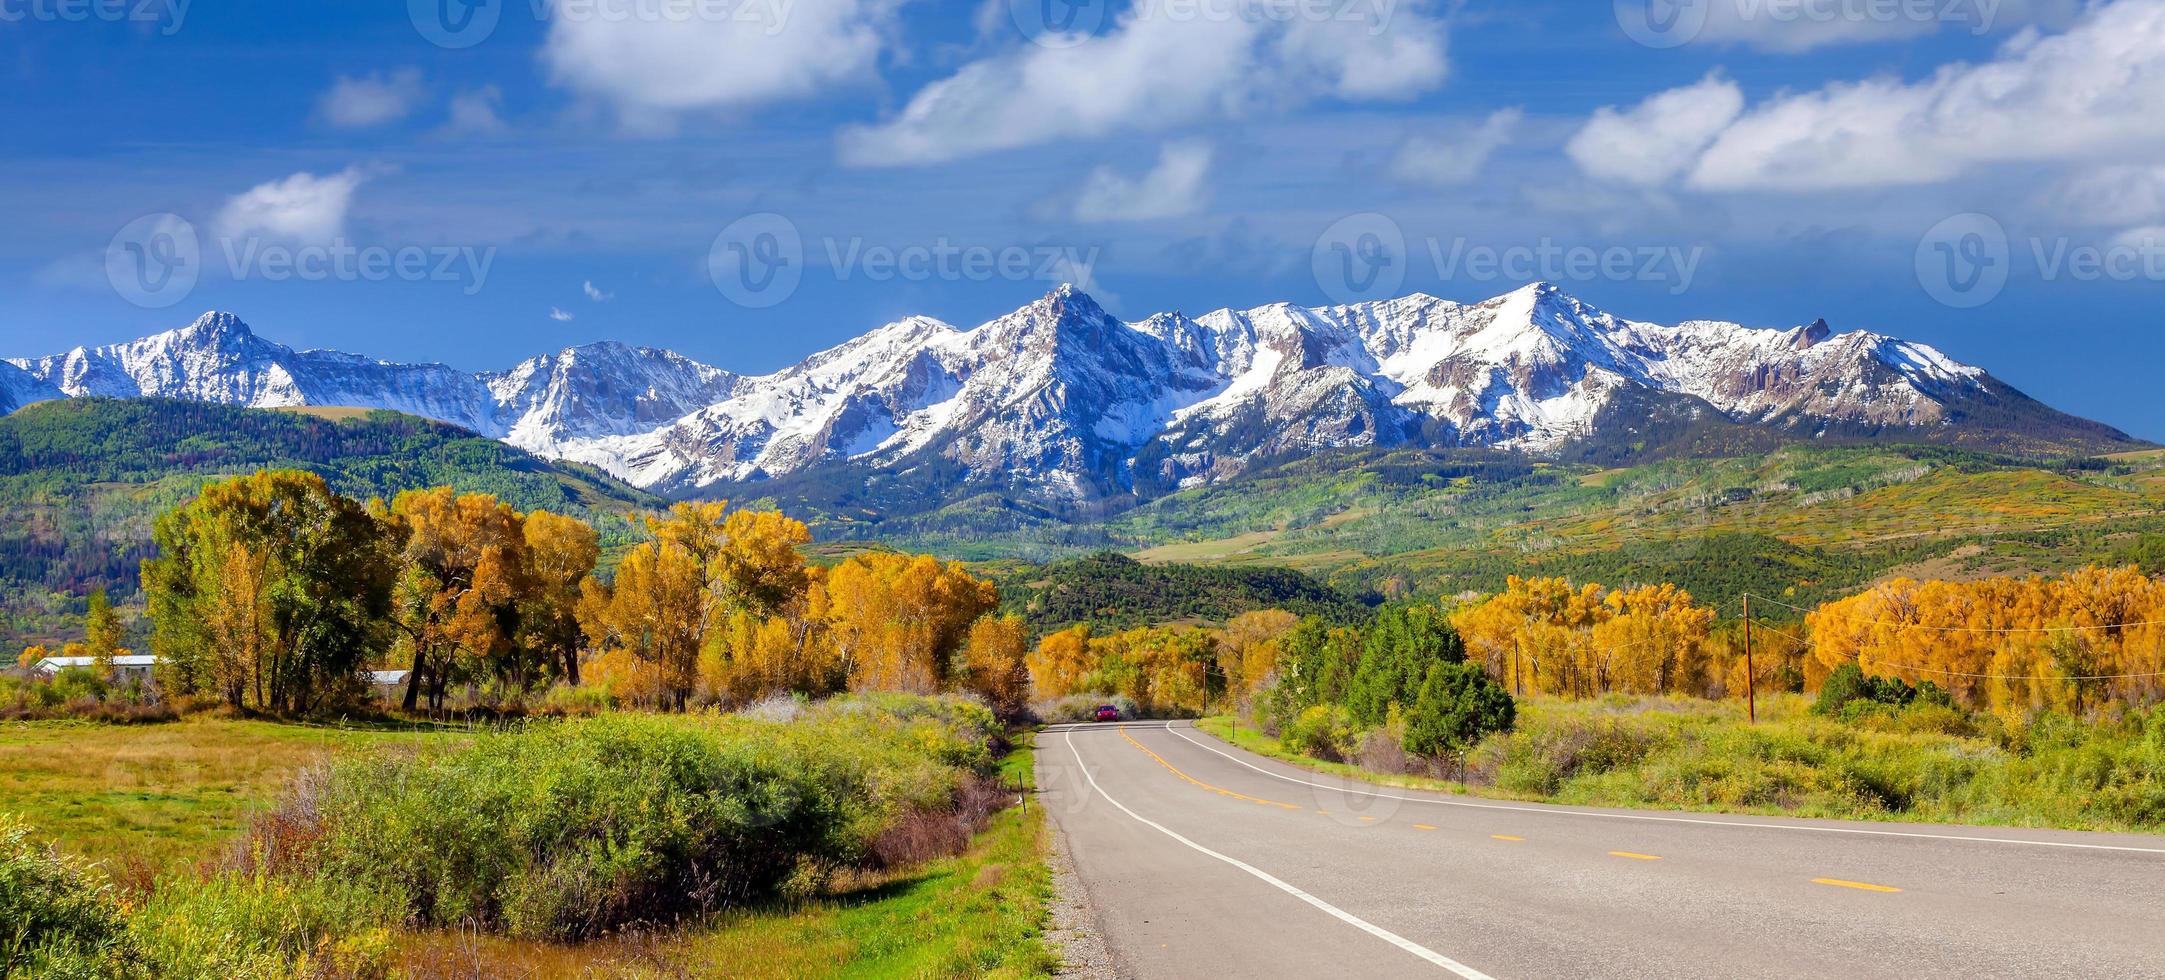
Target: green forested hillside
1110 592
81 480
1802 521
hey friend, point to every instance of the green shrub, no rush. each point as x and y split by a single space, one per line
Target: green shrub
1458 706
581 700
1325 731
1540 759
1847 689
565 830
58 916
260 926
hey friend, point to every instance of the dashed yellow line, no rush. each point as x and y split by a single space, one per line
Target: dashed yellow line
1422 826
1366 819
1221 791
1506 837
1635 856
1858 885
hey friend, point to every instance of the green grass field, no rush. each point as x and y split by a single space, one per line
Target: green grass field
153 799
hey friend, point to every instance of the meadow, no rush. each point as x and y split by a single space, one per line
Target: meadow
253 848
145 799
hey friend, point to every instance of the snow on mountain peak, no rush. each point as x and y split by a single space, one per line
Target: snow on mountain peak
1062 396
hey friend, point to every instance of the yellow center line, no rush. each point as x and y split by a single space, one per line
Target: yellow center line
1858 885
1505 837
1169 767
1633 856
1422 826
1368 819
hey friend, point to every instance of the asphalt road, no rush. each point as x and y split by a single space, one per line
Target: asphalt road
1200 860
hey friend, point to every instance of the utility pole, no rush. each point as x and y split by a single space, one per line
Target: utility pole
1751 676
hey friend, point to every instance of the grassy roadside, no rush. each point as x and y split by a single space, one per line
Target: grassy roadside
979 914
1687 754
1248 737
165 797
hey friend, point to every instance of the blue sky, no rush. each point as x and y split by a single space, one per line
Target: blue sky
1987 176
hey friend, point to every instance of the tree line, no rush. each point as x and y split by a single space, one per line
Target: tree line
1403 677
273 592
2081 643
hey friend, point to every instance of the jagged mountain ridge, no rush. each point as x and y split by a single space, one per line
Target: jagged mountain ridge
1062 400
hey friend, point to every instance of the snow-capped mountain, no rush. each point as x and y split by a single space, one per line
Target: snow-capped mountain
1063 400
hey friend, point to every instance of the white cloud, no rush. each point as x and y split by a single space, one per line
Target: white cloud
1172 188
1796 27
2116 195
1457 159
560 315
1659 138
358 102
1161 65
654 62
2092 94
476 113
594 293
303 207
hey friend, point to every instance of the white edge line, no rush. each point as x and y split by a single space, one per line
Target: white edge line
1469 973
1700 821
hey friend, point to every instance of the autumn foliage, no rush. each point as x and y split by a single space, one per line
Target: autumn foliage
275 593
1545 635
2015 646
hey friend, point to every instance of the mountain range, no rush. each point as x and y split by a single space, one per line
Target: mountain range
1063 403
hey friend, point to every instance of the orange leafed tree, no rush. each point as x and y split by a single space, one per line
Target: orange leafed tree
1250 650
896 620
993 664
1060 663
2013 645
464 571
1547 635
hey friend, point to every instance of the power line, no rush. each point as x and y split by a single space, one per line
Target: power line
1960 629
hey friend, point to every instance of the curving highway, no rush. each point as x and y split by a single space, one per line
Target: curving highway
1201 860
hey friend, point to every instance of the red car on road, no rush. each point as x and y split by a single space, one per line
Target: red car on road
1107 712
